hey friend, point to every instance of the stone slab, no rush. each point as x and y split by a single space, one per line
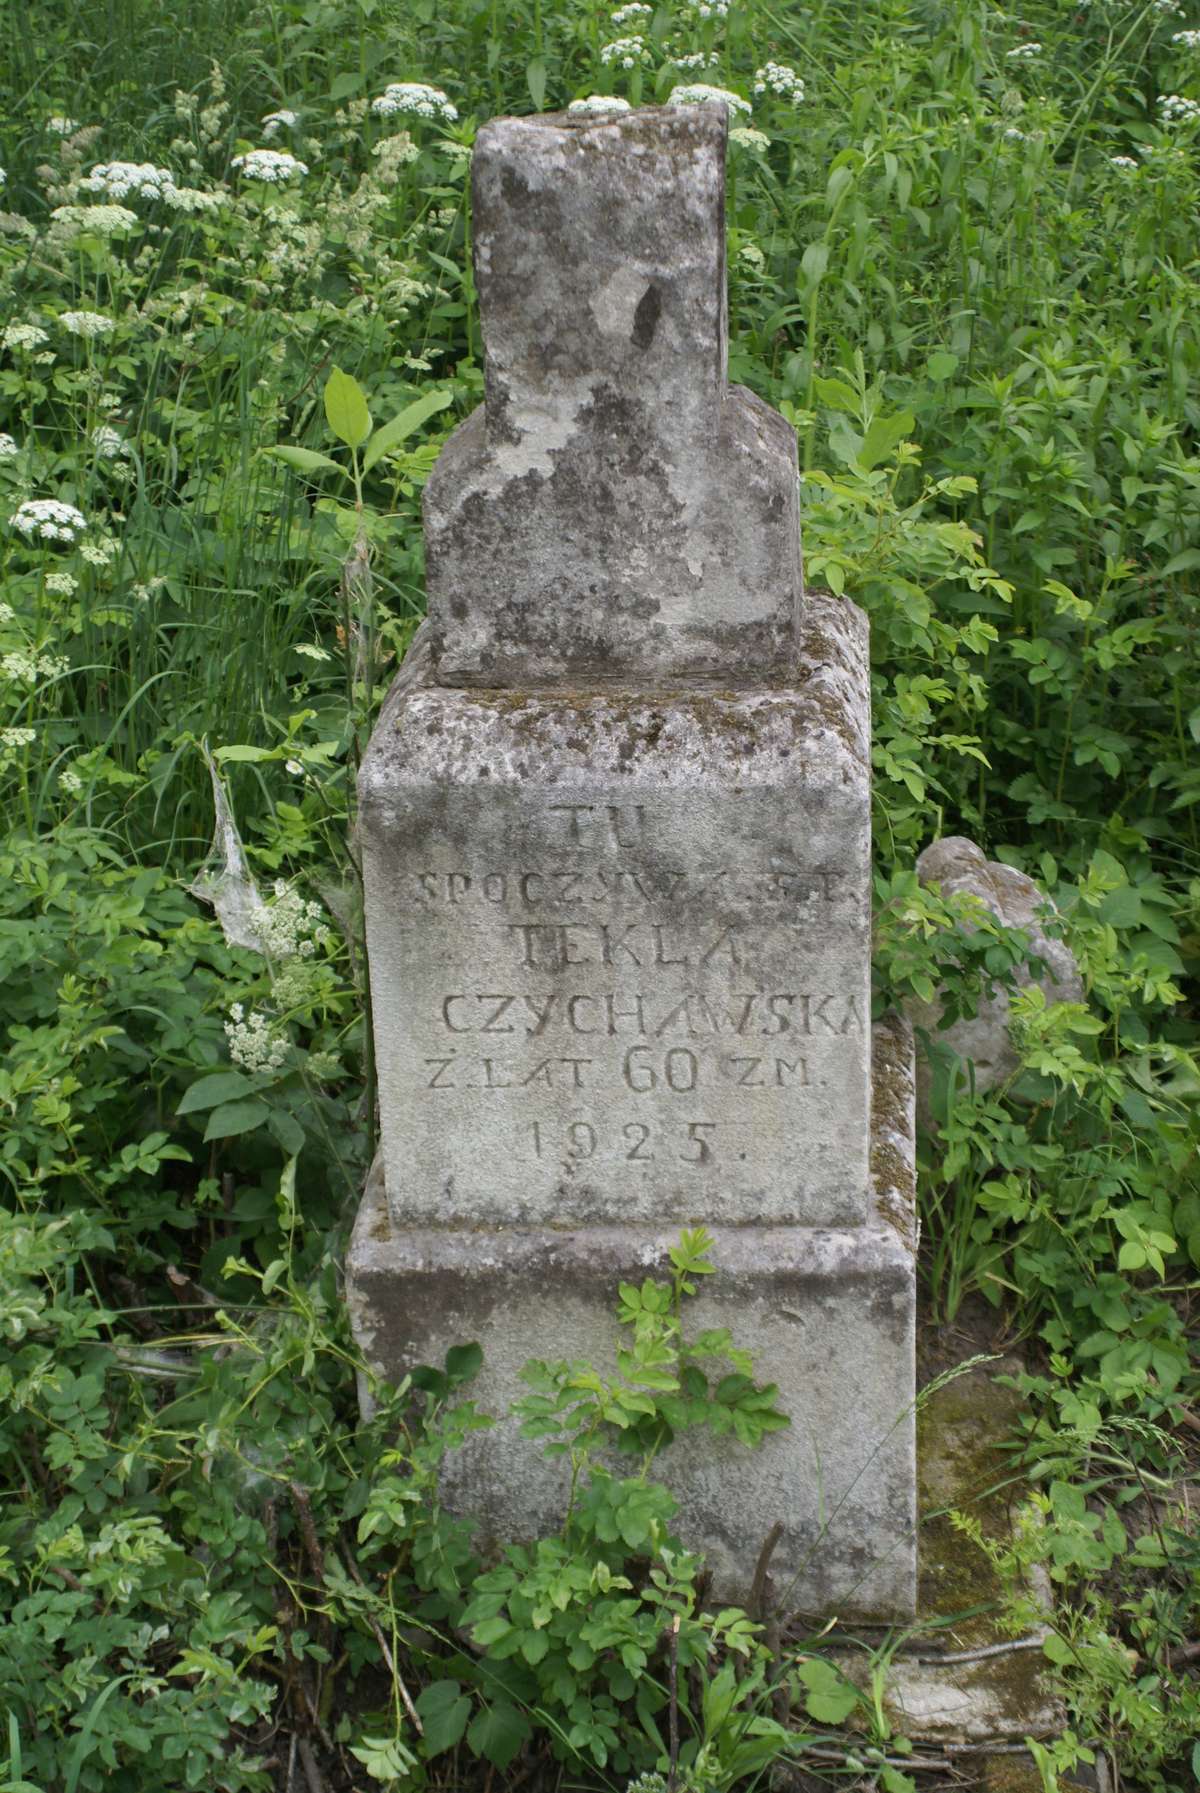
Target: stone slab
620 948
614 510
828 1314
965 1682
957 866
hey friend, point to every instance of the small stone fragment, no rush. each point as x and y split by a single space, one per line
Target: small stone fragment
955 864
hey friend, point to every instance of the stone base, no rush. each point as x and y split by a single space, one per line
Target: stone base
962 1688
828 1313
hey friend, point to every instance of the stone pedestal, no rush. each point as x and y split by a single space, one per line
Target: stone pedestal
620 978
615 826
828 1313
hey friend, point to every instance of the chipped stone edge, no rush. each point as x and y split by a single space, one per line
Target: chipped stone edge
822 712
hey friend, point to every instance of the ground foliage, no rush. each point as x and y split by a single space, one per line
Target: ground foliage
962 260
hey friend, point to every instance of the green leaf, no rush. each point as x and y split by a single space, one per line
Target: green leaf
248 756
305 460
236 1117
535 80
491 1631
829 1698
346 84
813 263
1183 562
444 1709
287 1130
403 424
218 1086
837 395
941 364
883 437
346 409
498 1733
463 1361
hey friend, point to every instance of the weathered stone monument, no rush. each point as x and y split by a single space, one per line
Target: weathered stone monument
616 839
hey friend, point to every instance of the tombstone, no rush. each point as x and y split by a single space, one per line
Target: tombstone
616 843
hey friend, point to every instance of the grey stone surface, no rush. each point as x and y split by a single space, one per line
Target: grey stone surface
614 510
829 1314
615 828
620 948
966 1681
955 864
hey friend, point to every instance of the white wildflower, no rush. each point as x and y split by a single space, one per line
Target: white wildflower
61 127
394 153
255 1041
270 165
324 1067
625 52
777 77
17 737
599 105
1123 161
752 257
1173 108
144 592
124 180
632 14
1022 52
8 448
1168 6
195 199
70 781
294 767
98 554
288 926
696 59
417 98
746 137
297 986
274 122
27 667
699 94
62 585
1189 39
49 520
108 443
22 336
710 9
86 323
99 220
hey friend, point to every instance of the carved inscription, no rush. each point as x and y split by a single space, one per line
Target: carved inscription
649 1013
598 1000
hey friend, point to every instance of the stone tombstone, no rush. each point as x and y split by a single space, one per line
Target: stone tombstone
615 822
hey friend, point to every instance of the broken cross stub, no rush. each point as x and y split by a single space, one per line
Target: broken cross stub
614 509
618 911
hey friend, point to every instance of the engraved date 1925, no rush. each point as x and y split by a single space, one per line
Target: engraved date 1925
637 1142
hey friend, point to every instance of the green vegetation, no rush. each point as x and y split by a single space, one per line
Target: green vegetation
964 264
